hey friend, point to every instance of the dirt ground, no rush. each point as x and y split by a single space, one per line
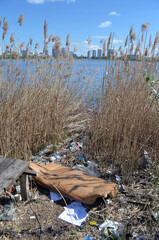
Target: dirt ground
136 207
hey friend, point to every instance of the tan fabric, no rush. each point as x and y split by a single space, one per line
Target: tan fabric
74 184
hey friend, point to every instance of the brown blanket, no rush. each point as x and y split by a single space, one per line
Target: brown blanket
74 184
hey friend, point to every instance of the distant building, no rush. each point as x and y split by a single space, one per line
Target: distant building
110 52
23 52
94 53
31 53
63 51
55 52
99 53
41 54
89 54
46 52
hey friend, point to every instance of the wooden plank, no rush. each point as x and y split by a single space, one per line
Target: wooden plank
5 163
11 173
30 172
24 185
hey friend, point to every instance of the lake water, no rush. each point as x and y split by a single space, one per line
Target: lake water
91 72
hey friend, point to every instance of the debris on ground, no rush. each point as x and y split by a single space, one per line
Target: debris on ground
132 214
74 213
77 185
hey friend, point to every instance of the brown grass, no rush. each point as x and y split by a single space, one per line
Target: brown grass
126 121
41 103
36 105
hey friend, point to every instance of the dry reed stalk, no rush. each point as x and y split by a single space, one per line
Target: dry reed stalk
104 48
125 122
36 106
12 40
109 41
21 46
68 42
20 20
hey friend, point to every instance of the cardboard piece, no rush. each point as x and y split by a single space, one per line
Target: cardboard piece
74 184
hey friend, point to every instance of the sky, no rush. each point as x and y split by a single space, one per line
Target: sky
79 18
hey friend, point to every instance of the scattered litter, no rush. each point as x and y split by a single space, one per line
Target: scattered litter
155 215
18 190
74 213
156 236
87 237
93 223
74 146
18 197
90 169
43 152
109 202
109 226
55 196
81 157
120 210
144 237
77 185
122 200
118 178
56 156
8 212
37 195
122 188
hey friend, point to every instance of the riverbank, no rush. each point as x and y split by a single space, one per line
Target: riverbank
135 207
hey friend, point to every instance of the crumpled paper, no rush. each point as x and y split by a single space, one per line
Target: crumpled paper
74 213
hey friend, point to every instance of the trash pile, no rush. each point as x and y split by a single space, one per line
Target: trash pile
67 172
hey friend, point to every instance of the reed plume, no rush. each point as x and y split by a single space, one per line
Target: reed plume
137 50
89 40
45 30
30 41
68 42
50 38
20 20
74 48
150 41
109 41
104 48
27 49
144 26
126 41
54 39
5 27
21 46
156 41
12 40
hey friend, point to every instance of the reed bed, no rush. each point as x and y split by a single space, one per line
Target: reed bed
42 101
38 101
125 122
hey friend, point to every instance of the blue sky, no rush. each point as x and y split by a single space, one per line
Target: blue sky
79 18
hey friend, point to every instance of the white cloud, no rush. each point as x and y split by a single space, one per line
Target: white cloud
43 1
94 47
100 37
55 0
36 1
105 24
113 13
117 41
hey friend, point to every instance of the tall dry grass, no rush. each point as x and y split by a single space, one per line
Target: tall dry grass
41 101
126 120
